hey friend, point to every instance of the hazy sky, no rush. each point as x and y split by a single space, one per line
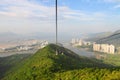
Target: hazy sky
75 16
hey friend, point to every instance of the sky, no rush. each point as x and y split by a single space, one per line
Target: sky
74 16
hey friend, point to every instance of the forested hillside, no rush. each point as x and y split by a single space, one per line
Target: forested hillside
46 65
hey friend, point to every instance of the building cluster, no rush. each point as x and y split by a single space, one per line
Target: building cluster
106 48
31 46
79 42
25 46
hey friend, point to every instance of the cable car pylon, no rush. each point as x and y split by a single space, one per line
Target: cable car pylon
56 21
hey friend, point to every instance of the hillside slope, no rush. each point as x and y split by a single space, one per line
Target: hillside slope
7 63
97 36
46 65
112 39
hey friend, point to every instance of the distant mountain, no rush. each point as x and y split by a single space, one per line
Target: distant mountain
116 32
96 36
13 37
112 39
62 37
46 65
9 36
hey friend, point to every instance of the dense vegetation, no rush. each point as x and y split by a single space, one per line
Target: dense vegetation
7 63
46 65
112 59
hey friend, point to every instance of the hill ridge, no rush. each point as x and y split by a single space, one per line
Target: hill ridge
45 64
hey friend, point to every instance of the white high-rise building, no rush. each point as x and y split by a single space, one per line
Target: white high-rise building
106 48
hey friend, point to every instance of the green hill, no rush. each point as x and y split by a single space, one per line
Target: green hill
46 65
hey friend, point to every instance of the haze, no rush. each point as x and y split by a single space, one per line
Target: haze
75 16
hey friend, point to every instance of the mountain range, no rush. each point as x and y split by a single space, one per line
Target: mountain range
96 36
11 36
114 39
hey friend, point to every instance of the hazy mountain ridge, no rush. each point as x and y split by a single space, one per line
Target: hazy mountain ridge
112 39
11 36
5 37
116 32
97 36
